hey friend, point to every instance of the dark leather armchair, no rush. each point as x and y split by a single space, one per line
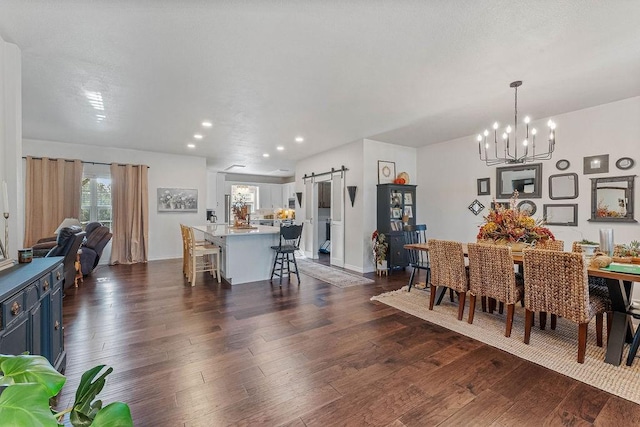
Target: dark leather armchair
68 243
96 239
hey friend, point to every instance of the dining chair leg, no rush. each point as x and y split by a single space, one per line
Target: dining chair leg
432 296
582 341
413 273
543 320
634 347
492 305
554 321
451 294
461 300
510 311
609 322
483 301
599 324
528 322
472 307
500 307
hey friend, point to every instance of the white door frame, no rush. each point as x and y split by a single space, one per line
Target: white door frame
337 219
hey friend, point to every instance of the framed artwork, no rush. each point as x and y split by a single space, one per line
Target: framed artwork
563 164
483 187
177 200
625 163
596 164
495 205
408 199
386 172
408 211
563 214
528 207
396 213
396 199
476 207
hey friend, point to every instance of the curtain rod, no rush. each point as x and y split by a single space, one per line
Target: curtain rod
82 161
332 171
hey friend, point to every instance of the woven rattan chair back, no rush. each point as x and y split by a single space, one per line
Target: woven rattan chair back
556 282
491 272
447 265
550 245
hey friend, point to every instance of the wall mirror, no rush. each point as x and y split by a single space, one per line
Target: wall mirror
612 199
527 179
560 214
563 186
528 207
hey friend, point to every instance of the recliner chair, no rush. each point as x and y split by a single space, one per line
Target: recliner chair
68 243
96 239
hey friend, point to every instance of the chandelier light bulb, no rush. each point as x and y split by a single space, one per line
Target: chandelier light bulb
504 136
495 126
486 132
486 145
527 119
479 138
552 125
551 135
533 131
508 129
525 142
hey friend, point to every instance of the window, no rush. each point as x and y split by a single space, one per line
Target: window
95 204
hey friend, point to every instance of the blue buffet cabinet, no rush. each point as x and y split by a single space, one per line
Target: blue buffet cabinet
31 310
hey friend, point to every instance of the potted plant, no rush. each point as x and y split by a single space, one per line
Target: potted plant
588 247
31 382
380 248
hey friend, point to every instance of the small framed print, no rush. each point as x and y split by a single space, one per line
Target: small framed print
596 164
408 211
396 213
625 163
484 188
408 199
396 199
504 205
386 172
563 164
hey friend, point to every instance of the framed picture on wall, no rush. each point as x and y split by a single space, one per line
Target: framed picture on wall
386 172
408 211
483 185
177 200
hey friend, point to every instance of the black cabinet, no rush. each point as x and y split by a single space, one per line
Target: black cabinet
31 310
396 204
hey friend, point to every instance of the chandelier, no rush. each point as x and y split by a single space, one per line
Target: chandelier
507 148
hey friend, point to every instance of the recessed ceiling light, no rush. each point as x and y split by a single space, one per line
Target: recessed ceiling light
207 124
279 148
191 145
265 155
299 139
197 136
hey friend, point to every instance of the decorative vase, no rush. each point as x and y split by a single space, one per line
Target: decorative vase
588 249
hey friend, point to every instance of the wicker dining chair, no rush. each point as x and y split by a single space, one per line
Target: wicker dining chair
448 270
556 282
550 245
491 275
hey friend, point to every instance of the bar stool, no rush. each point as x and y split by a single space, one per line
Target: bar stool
285 252
207 253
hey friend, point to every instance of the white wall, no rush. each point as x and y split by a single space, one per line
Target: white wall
448 173
165 170
11 143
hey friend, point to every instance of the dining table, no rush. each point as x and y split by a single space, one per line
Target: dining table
619 285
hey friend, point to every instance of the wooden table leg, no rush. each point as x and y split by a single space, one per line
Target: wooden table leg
78 266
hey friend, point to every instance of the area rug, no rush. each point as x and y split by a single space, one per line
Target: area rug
556 350
334 276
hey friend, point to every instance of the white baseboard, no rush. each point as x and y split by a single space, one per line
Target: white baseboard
353 268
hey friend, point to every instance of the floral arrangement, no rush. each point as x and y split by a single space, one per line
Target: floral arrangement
239 207
630 250
603 211
513 225
380 246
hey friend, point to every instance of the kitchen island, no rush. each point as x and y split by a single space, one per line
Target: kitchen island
245 253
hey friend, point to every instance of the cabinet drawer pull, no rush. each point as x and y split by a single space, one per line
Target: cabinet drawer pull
46 285
56 325
58 275
15 308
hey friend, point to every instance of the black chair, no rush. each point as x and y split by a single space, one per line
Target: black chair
285 252
69 241
418 260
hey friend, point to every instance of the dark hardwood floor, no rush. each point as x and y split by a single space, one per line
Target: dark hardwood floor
308 355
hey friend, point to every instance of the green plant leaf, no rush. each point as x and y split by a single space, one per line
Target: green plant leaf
116 414
29 369
84 409
26 405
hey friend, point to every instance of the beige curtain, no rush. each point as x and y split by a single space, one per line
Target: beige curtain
130 200
52 193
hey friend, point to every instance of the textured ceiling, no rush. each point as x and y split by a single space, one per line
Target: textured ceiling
264 72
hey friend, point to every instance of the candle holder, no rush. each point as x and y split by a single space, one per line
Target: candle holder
6 235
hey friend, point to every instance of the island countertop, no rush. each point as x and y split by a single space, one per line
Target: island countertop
224 230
